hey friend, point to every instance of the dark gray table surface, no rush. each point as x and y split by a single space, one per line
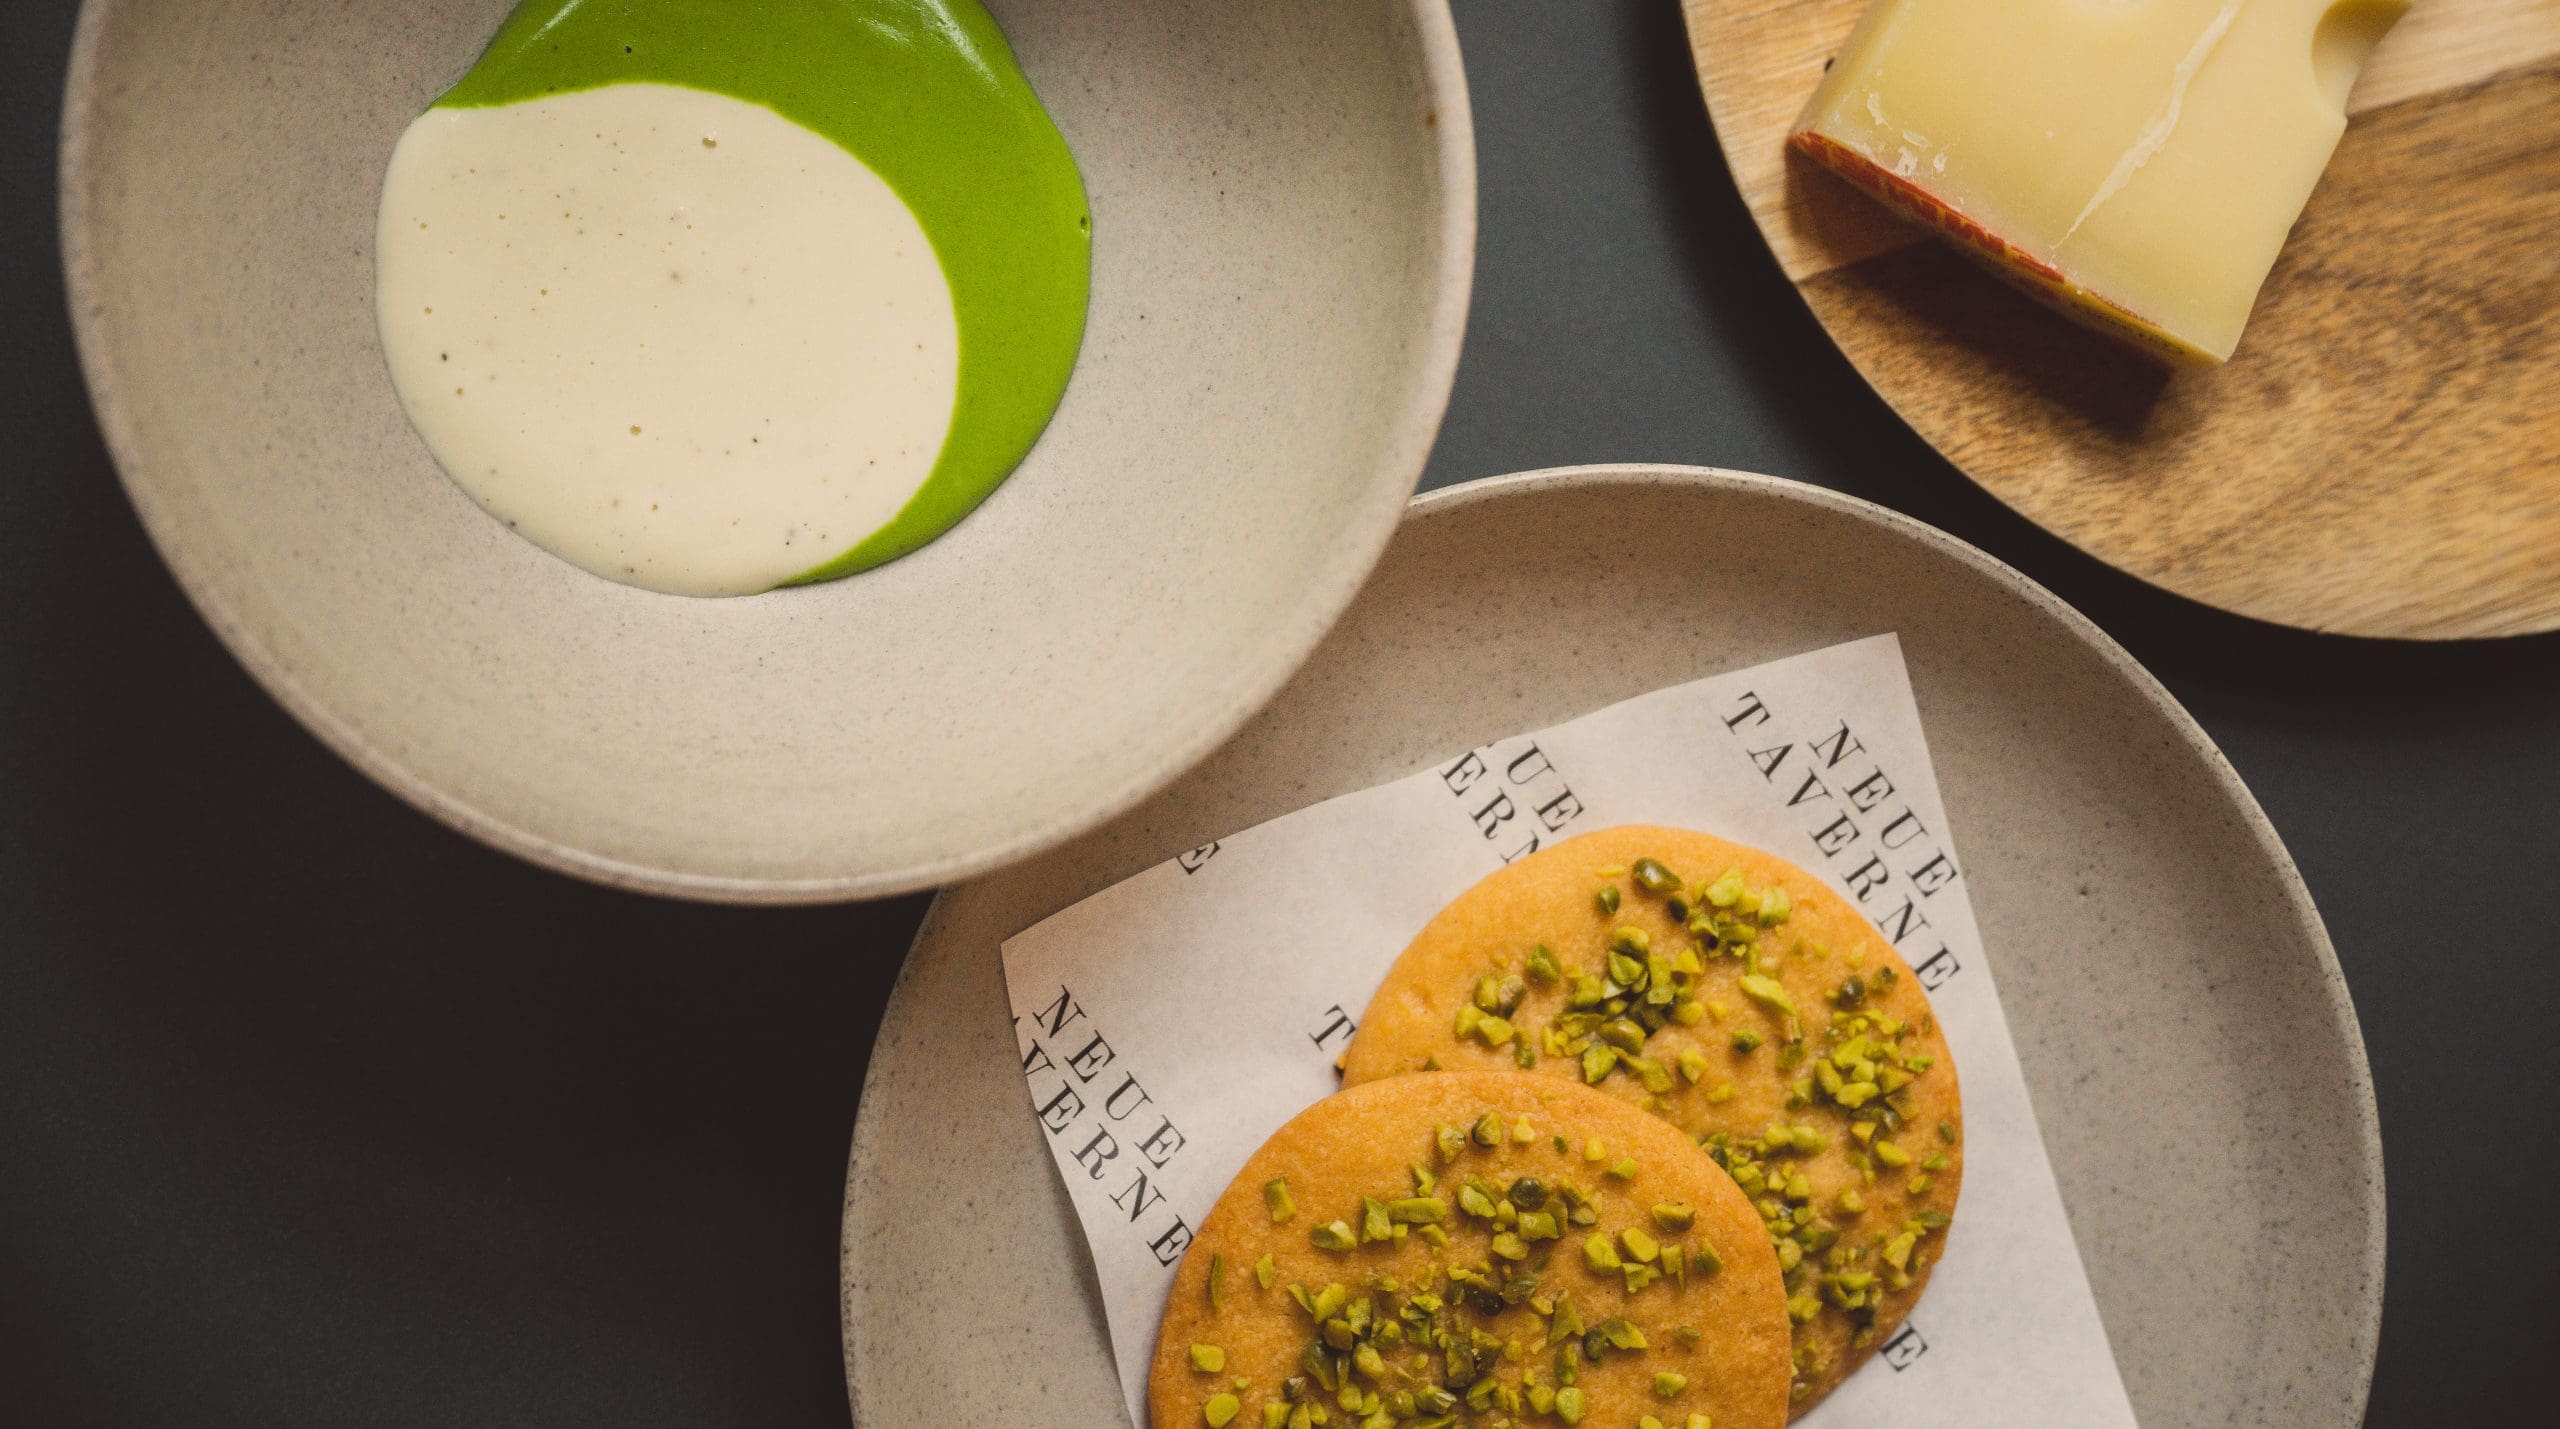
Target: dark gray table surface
314 1112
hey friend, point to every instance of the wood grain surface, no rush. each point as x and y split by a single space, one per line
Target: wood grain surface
2381 457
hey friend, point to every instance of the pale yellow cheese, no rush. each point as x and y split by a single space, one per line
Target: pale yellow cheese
2139 162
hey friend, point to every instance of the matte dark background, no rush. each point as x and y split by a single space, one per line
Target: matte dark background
314 1112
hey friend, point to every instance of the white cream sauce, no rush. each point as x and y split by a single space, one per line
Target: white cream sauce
668 335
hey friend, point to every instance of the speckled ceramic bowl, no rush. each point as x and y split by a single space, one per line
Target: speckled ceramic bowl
1284 216
2194 1060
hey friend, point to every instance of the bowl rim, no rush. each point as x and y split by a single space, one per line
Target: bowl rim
1339 576
2139 682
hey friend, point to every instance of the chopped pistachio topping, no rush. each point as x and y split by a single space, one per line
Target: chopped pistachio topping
1221 1410
1208 1359
1841 1051
1275 1194
1390 1354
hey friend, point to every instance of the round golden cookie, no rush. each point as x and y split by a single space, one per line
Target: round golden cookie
1459 1248
1731 992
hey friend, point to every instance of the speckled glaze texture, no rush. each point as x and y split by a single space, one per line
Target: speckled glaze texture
1284 222
2184 1029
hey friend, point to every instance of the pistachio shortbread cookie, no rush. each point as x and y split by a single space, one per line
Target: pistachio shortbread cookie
1470 1248
1734 994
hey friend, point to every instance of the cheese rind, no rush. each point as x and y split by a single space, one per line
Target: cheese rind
2138 163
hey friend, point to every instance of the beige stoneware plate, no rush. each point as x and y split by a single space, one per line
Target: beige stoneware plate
2180 1015
1284 223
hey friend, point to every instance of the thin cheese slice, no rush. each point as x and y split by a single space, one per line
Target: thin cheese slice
2136 162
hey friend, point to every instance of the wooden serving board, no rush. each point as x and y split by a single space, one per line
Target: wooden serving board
2381 457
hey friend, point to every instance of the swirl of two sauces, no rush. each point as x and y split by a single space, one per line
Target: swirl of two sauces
713 299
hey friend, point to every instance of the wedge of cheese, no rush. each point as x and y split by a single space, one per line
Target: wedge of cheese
2138 163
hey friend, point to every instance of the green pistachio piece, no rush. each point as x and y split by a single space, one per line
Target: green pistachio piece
1333 1236
1488 1130
1599 1252
1217 1278
1628 940
1374 1225
1626 972
1417 1210
1638 1245
1570 1406
1208 1359
1653 877
1366 1360
1765 990
1675 1216
1891 1154
1607 898
1668 1385
1747 1040
1221 1410
1451 1142
1542 966
1275 1194
1623 1169
1775 905
1264 1272
1704 1257
1597 1061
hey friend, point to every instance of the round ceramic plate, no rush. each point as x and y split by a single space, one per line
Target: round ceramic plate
2184 1030
1283 205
